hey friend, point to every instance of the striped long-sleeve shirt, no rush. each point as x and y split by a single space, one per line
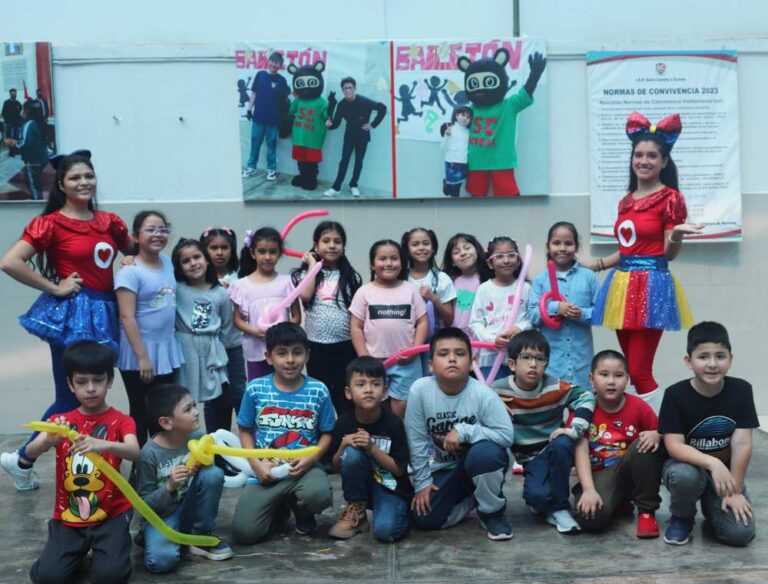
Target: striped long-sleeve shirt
538 412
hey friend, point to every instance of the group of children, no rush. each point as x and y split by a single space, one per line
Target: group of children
192 325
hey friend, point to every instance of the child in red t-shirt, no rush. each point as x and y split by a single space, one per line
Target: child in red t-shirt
619 462
90 513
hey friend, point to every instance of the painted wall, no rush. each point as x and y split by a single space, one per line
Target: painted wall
195 163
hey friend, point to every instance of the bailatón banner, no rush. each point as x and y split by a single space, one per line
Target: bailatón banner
385 119
701 86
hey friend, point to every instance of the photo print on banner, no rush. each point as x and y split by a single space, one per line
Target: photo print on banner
446 93
305 137
27 122
700 86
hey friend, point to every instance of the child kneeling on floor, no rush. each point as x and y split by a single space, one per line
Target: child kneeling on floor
707 423
619 462
543 444
285 409
372 452
463 422
90 513
186 498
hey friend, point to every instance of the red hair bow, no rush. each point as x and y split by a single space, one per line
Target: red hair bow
669 128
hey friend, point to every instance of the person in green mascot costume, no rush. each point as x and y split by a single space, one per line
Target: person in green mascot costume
307 116
492 152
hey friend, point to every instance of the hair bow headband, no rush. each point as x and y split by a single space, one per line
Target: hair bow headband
669 128
248 238
56 159
210 228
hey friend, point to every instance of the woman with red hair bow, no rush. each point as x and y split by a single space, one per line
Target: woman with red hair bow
640 298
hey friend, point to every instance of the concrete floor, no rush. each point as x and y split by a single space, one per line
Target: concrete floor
460 554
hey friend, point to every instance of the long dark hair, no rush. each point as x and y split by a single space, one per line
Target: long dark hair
567 225
56 201
178 272
483 271
247 263
349 279
496 241
405 240
668 176
381 243
209 234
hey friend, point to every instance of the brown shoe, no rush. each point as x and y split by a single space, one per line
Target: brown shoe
353 521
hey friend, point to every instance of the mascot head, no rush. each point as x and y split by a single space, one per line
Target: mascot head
486 81
308 80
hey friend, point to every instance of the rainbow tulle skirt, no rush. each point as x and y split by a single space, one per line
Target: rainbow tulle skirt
641 293
88 315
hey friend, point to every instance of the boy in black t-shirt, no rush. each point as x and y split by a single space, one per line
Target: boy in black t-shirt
707 424
370 447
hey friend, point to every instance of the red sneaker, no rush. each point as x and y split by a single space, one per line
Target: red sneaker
647 528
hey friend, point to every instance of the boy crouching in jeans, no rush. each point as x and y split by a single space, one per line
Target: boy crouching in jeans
707 423
372 452
464 423
186 498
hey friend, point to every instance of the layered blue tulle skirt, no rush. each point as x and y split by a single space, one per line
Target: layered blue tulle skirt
86 316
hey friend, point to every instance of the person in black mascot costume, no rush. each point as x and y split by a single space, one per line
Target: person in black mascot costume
492 152
307 115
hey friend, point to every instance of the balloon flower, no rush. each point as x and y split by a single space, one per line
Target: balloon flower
553 322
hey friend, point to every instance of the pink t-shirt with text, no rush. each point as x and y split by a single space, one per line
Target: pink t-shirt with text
389 317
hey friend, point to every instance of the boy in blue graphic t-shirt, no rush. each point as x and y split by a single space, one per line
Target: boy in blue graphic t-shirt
284 410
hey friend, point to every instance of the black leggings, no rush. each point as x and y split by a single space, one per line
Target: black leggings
137 392
328 363
218 411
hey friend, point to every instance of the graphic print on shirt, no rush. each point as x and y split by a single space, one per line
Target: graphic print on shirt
713 436
606 445
626 233
201 315
382 476
464 299
438 427
161 298
389 311
82 481
103 254
494 319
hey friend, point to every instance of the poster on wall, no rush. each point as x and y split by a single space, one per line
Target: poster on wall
479 102
314 120
700 86
27 121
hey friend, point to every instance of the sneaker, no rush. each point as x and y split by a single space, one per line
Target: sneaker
647 527
219 552
497 527
355 192
564 522
271 174
248 172
331 192
353 521
678 531
25 479
305 524
517 468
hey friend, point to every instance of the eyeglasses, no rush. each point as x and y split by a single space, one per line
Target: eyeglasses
510 255
162 231
526 358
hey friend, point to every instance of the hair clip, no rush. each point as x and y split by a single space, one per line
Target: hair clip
248 239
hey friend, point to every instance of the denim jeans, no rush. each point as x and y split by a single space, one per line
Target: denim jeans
687 484
476 480
390 510
196 514
547 475
258 133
